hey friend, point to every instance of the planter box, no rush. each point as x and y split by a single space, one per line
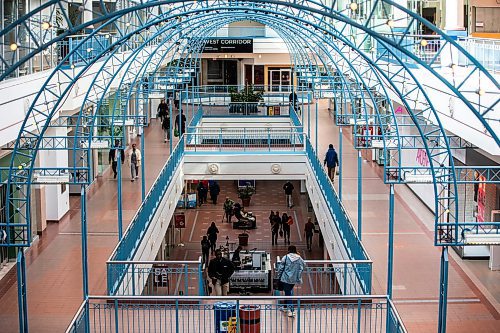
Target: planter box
243 108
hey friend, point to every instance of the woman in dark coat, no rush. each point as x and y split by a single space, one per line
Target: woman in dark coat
214 192
212 236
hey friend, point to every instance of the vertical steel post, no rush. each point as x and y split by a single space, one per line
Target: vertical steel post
133 279
316 126
22 300
83 217
359 315
360 195
308 115
143 167
120 214
186 279
443 291
201 291
340 163
390 254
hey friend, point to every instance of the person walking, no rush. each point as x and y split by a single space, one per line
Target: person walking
271 218
331 161
134 160
201 193
205 249
165 126
288 188
309 232
212 236
286 229
285 224
275 228
228 209
290 273
220 271
180 123
113 157
214 192
162 110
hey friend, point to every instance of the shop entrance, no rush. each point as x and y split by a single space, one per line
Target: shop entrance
222 72
280 79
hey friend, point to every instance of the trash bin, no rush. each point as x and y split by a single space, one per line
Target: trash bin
243 239
223 311
250 319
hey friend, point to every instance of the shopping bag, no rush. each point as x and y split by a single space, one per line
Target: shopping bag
176 132
277 284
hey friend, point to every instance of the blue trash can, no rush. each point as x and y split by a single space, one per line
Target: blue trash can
223 311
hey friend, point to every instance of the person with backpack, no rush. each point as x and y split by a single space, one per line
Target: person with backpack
162 110
165 126
205 249
309 231
290 273
331 161
288 188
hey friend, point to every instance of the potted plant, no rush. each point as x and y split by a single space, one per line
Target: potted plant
245 193
245 101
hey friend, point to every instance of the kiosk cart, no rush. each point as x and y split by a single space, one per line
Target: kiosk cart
253 273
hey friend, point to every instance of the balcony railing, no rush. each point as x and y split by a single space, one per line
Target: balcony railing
486 51
155 278
374 314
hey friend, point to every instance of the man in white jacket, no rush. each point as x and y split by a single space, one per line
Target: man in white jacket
134 160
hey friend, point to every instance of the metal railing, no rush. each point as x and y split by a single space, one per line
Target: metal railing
264 314
336 277
132 237
343 223
485 50
245 139
240 31
425 47
157 278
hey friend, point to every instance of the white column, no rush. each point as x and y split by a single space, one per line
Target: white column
400 17
454 15
58 205
87 14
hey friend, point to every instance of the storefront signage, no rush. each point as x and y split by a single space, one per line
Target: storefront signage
160 275
229 45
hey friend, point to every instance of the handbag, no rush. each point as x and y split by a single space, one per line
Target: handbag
277 284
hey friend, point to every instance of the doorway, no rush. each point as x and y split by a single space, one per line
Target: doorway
280 79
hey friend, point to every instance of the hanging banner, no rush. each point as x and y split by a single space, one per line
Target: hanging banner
481 198
229 45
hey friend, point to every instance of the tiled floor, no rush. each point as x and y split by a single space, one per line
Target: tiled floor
54 264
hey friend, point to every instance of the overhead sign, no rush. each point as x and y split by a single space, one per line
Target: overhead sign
229 45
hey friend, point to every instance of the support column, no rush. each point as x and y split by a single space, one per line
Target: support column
316 126
390 255
120 212
83 216
360 194
443 291
88 14
22 300
340 163
58 205
143 168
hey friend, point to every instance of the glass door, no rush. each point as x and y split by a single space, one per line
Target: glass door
280 79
